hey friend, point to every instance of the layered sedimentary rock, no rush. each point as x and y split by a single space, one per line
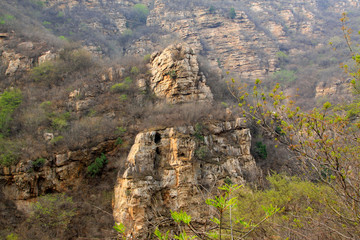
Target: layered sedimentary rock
176 76
61 172
176 168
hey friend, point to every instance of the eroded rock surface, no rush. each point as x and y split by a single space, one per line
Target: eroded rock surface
176 76
175 169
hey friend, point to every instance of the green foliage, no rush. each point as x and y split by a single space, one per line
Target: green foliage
63 38
97 166
324 139
119 87
60 121
142 12
9 152
12 236
61 14
119 227
6 19
52 213
161 236
137 16
135 71
199 132
45 72
70 60
127 33
56 140
260 150
202 152
232 13
10 100
38 163
180 217
120 130
224 204
283 58
298 200
284 76
119 141
123 97
183 236
128 80
147 58
212 9
172 74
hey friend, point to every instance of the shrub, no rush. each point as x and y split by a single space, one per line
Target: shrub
52 214
97 166
45 72
119 141
119 87
123 97
38 163
134 70
147 58
284 76
260 150
202 152
9 101
198 132
232 13
12 236
56 139
212 9
128 80
60 121
301 203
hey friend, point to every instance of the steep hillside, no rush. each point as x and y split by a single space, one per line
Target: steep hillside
112 101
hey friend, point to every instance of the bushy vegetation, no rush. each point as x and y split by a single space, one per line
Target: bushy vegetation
326 141
50 217
71 60
97 166
9 102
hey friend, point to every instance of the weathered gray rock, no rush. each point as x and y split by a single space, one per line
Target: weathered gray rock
176 76
174 169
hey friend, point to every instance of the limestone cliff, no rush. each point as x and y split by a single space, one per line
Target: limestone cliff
176 76
60 172
176 168
246 43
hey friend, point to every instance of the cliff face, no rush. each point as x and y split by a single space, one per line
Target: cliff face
59 173
176 168
176 76
246 42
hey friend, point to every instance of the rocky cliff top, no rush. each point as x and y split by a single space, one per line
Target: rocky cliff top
176 168
176 76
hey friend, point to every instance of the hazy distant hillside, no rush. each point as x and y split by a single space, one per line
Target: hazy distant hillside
284 41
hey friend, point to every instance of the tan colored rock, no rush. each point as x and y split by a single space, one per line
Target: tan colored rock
176 76
170 169
333 87
47 56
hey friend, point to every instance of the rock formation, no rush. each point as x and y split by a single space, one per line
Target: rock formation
59 173
175 168
176 76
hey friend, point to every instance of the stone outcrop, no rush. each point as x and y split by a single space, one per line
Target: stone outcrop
175 169
334 88
246 44
176 76
60 172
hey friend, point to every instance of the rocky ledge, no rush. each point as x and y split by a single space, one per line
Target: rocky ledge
176 76
176 168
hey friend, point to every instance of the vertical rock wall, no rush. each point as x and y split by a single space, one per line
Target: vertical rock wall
176 168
